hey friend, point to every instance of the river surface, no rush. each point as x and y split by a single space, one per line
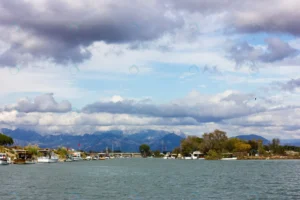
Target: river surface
158 179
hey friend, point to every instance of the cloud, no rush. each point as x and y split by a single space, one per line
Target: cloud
61 31
277 50
257 17
64 29
42 103
230 111
290 85
244 53
211 110
247 16
205 6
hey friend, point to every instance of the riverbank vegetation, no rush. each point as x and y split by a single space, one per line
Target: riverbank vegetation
145 150
215 144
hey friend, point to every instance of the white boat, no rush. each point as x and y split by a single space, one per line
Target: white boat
3 159
95 158
187 158
228 156
30 161
103 156
233 158
69 160
197 155
9 161
48 158
170 156
88 158
77 156
52 159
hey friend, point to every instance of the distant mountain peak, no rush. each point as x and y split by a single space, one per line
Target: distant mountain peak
253 137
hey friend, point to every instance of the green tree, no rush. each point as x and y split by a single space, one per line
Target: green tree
230 144
254 144
176 150
276 148
145 150
33 149
157 153
260 148
62 152
213 155
5 140
190 144
242 147
214 141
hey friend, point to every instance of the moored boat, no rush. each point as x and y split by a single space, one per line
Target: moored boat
23 157
48 157
197 155
88 158
3 159
102 156
228 156
170 156
95 158
77 156
30 161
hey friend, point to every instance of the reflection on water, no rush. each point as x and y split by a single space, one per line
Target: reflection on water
141 179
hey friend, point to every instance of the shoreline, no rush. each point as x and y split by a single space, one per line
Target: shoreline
270 158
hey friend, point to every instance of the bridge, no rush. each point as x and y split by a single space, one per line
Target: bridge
131 155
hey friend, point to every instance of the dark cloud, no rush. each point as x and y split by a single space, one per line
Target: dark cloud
244 53
201 112
61 31
292 128
205 6
291 85
277 50
43 103
248 16
258 17
211 69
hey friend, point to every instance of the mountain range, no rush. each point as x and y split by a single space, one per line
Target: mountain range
253 137
114 139
291 142
99 141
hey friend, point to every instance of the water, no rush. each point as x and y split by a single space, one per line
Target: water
141 179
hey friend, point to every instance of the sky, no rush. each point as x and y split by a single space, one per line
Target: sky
76 67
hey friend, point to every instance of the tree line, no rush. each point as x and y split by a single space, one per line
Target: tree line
214 144
5 140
